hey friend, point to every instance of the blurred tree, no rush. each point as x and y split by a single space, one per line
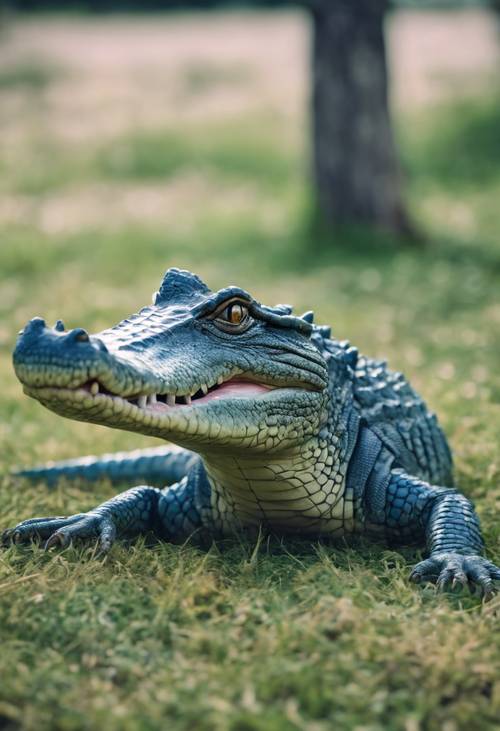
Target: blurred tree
355 163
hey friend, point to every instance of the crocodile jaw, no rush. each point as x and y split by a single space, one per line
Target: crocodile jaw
238 416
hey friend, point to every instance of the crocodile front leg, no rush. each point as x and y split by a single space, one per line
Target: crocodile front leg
411 508
173 513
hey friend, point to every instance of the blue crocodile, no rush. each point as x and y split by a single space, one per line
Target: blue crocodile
279 427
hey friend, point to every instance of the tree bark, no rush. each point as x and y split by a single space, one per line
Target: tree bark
356 167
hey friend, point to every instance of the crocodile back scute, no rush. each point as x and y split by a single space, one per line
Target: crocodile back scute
392 409
401 419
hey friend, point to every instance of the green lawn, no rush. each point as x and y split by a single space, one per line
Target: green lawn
277 635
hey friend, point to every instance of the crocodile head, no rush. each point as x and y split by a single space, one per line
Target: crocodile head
201 369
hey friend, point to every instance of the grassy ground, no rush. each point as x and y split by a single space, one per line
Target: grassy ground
277 635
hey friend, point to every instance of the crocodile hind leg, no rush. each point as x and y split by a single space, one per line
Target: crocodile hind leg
173 513
409 508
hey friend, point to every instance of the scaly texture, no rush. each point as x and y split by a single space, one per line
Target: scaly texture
295 432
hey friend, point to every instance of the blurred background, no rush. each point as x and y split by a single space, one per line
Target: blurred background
342 156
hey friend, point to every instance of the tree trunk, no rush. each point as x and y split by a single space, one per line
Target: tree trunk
355 163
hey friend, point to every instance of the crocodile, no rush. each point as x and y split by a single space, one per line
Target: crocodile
276 425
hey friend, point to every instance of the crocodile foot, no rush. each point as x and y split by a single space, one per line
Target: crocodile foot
456 569
63 530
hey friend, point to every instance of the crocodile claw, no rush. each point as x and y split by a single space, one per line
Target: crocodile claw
62 531
455 569
59 538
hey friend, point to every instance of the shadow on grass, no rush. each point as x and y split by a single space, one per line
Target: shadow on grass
314 244
243 244
459 147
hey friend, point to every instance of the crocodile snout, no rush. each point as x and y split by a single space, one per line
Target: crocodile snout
53 356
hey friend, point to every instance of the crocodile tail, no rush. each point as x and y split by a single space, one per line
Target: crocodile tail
158 466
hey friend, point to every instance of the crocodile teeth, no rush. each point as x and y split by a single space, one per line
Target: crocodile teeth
220 381
94 388
188 400
152 398
204 388
142 401
170 399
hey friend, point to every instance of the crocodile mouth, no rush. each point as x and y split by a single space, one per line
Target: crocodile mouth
93 396
225 408
236 387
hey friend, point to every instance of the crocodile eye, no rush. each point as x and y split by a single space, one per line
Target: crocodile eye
235 314
234 317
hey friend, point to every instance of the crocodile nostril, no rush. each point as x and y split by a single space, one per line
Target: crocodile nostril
78 335
59 326
37 323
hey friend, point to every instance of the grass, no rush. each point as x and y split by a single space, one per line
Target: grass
462 154
200 78
249 151
277 635
28 74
